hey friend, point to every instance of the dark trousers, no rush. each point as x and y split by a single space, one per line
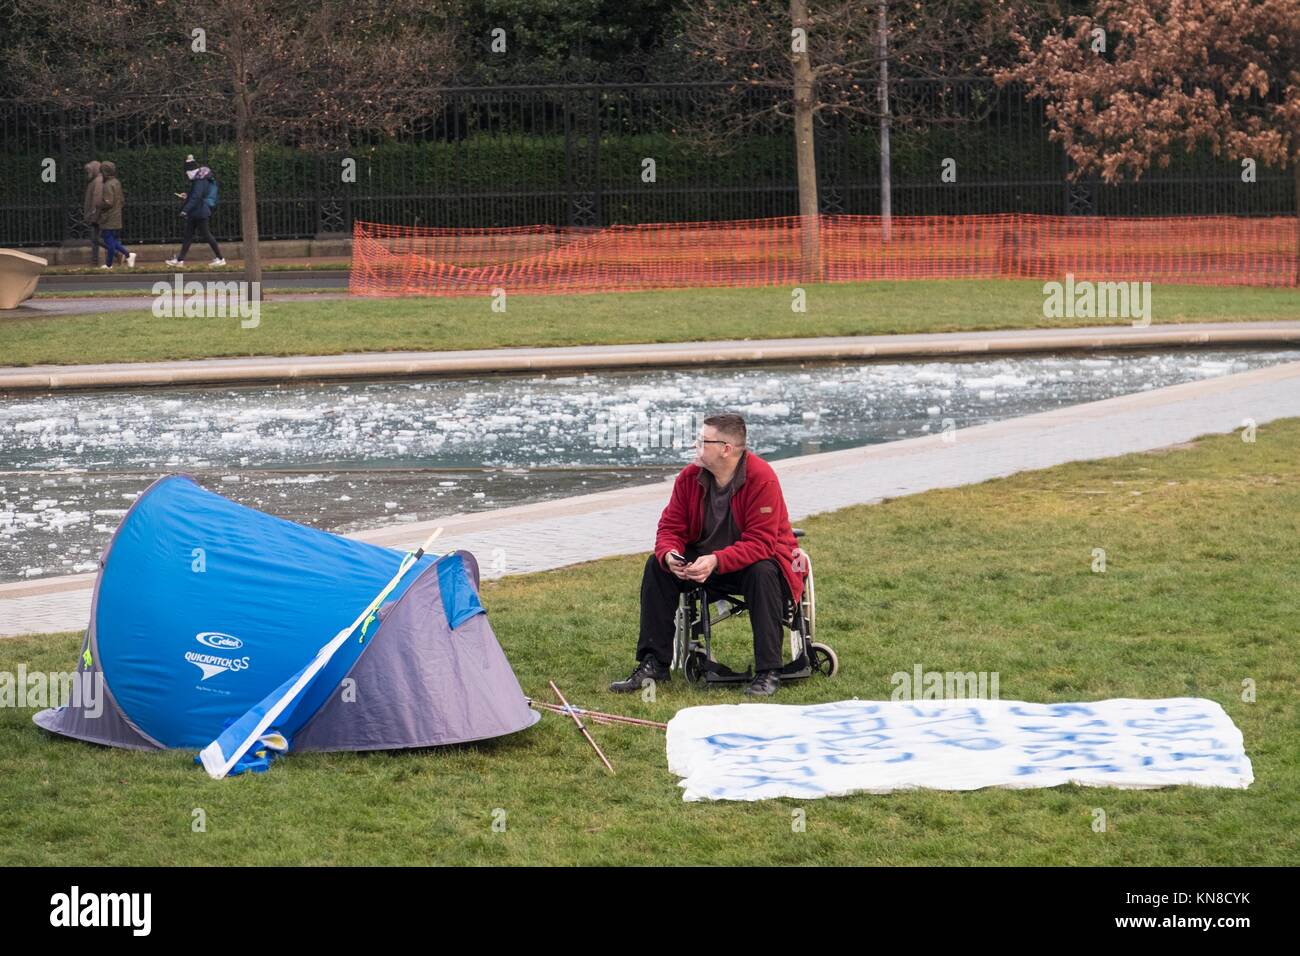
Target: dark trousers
95 242
199 226
761 584
112 245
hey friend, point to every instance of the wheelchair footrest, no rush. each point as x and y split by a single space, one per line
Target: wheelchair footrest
716 673
796 670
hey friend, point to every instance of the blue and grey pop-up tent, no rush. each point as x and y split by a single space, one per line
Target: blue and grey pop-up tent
203 607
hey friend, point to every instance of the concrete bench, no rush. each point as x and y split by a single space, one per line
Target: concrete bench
19 274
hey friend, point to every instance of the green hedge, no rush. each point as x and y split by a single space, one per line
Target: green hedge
471 181
505 162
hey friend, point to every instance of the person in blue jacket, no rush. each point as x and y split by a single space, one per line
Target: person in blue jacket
199 203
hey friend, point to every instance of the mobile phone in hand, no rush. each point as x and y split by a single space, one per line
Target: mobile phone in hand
674 556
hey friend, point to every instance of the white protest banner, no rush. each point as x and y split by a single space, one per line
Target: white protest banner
759 751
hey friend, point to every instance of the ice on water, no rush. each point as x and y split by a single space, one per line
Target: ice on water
360 438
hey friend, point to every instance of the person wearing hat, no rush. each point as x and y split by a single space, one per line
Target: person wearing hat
110 217
197 211
90 205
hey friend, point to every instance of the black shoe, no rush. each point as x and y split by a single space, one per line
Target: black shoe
764 684
648 669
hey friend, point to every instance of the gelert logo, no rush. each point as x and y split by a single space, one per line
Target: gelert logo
222 642
214 664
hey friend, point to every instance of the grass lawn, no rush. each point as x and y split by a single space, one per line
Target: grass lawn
348 325
1199 594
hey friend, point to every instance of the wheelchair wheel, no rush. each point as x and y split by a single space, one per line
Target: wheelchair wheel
823 660
808 601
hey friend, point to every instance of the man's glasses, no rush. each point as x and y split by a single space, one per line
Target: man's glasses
711 441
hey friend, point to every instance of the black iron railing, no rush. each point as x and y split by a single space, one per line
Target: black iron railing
575 154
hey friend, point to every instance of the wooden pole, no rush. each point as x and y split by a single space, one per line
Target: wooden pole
577 720
596 715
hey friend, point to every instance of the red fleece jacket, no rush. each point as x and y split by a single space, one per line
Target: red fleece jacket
761 519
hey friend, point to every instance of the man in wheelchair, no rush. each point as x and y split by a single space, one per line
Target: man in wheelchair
727 518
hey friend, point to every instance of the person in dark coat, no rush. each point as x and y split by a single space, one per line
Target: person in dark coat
197 212
110 217
90 205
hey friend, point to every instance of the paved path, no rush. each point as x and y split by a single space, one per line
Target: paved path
121 281
52 308
148 271
543 536
675 354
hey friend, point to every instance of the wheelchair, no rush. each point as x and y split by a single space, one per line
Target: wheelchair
702 608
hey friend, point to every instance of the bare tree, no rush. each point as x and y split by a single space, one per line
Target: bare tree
833 57
1139 79
311 73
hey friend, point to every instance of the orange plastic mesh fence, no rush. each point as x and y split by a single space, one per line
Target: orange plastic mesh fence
1209 250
